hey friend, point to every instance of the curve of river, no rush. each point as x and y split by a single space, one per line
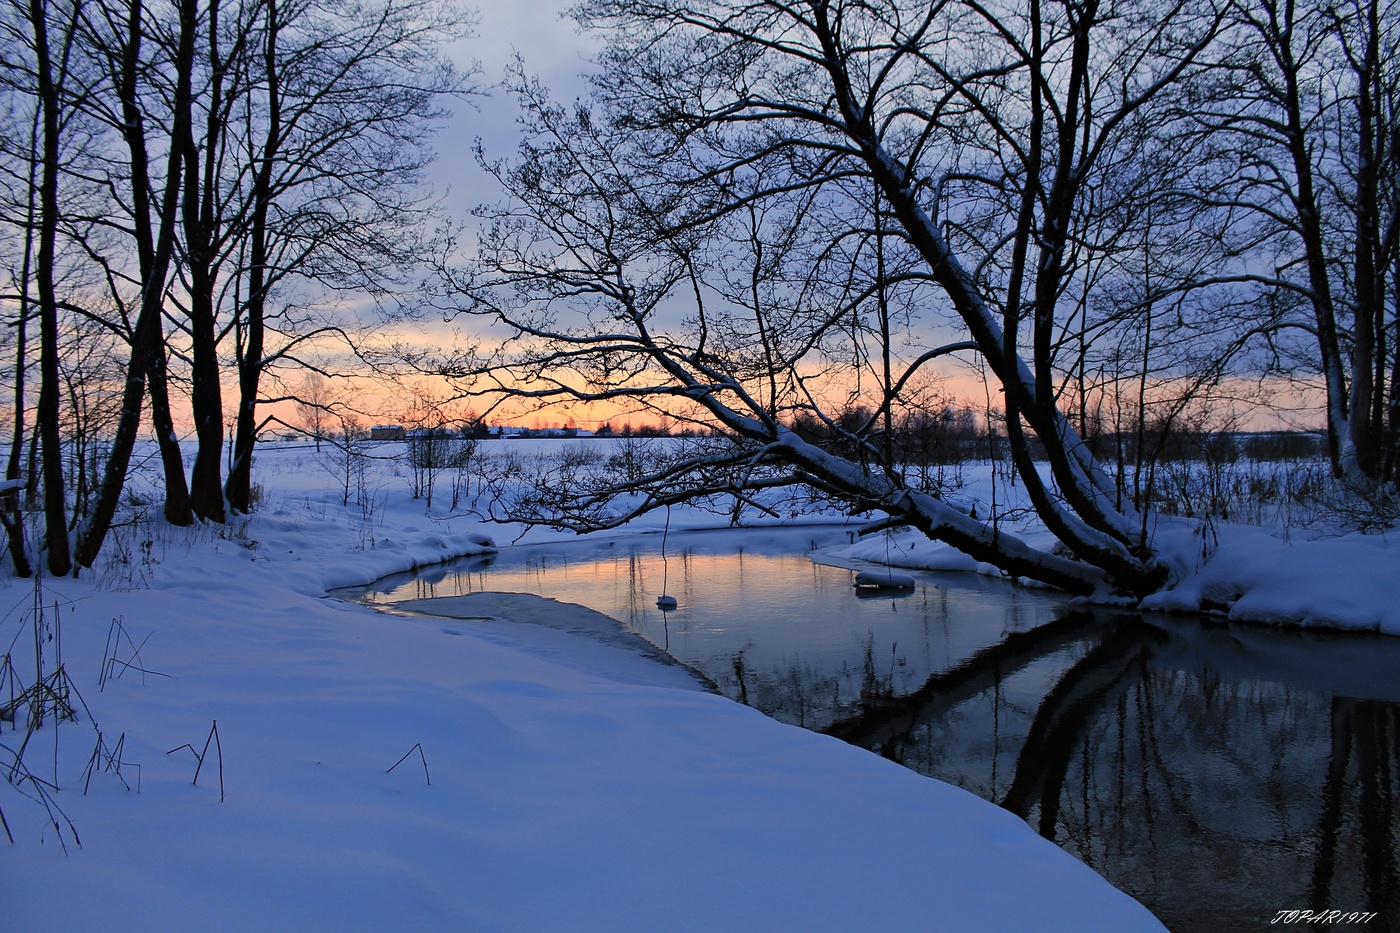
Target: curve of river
1219 773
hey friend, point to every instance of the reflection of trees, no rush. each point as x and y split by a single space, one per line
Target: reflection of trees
1181 781
891 721
1068 712
798 693
634 590
462 576
1190 765
1359 802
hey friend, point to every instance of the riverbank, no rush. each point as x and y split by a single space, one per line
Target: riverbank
381 772
362 771
1304 578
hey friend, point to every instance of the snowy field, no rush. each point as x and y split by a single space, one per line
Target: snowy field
485 773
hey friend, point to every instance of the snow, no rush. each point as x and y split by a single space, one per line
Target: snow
916 552
887 579
552 773
1347 582
1288 576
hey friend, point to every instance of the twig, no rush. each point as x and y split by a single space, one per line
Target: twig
199 756
44 791
113 763
418 746
115 633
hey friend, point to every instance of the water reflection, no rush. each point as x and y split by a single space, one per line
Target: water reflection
1218 773
1164 758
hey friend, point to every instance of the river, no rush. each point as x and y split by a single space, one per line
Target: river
1219 773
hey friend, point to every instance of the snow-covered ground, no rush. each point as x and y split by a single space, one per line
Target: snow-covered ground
559 778
481 772
1294 576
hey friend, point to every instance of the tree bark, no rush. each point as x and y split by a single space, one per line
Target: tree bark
55 506
201 224
250 358
147 363
12 504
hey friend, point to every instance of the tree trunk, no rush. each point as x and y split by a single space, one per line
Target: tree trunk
177 491
55 508
12 503
201 221
206 400
147 363
1368 266
250 360
1339 436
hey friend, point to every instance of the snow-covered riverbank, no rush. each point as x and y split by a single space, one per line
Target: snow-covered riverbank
1309 579
555 782
543 776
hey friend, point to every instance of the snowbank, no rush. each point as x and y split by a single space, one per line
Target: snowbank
548 777
912 550
1247 573
1253 575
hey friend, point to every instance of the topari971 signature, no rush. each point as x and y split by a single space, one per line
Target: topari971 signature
1323 916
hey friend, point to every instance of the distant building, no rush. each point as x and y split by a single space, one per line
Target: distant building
510 433
386 432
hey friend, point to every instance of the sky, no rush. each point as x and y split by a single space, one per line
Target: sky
551 47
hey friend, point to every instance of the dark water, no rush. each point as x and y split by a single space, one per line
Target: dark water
1220 774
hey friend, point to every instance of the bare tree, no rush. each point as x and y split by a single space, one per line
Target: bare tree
334 132
842 194
44 69
92 370
20 239
293 134
433 441
315 406
1304 114
153 229
348 461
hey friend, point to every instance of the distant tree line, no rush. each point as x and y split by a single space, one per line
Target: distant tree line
919 437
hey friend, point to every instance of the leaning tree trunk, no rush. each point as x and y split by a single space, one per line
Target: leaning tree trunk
1089 521
1098 533
155 250
177 491
147 362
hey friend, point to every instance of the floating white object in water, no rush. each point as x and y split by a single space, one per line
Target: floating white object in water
665 602
884 579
